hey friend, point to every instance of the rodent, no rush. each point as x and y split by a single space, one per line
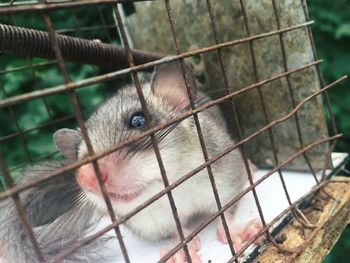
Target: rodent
132 174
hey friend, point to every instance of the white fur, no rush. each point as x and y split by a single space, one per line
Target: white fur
181 152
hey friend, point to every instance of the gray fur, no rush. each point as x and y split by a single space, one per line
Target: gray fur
178 144
57 208
58 213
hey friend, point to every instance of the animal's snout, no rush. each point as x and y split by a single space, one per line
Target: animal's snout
87 178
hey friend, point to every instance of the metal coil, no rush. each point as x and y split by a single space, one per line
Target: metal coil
34 43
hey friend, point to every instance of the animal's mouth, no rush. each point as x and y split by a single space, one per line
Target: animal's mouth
124 197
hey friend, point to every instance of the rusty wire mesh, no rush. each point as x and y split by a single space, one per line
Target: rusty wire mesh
128 62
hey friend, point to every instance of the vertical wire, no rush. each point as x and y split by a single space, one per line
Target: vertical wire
21 134
28 229
227 85
198 127
44 99
148 120
80 120
261 97
290 89
252 53
321 79
19 129
104 24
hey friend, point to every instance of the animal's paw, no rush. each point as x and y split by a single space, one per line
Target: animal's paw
180 256
252 228
193 247
239 235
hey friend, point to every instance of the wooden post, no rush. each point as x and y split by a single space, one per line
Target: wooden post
312 245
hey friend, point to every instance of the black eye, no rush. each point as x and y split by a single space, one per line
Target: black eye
137 120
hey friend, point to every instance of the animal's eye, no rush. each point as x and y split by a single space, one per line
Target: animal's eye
137 120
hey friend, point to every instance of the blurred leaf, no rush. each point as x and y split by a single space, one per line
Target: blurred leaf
343 31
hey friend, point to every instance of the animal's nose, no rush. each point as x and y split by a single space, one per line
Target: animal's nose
87 178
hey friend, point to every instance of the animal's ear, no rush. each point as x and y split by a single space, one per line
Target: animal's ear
168 83
67 141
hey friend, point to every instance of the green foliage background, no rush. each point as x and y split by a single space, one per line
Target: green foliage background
331 33
332 36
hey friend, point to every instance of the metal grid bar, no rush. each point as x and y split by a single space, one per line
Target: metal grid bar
45 125
291 93
70 87
19 129
148 120
181 117
21 210
320 76
41 6
21 68
245 140
198 126
263 104
75 103
109 76
211 218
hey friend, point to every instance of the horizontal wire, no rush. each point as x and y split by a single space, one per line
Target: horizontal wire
47 124
113 75
198 229
133 139
16 8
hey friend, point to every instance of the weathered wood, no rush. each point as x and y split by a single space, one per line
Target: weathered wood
150 30
312 245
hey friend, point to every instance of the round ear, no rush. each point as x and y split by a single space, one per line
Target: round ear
67 142
168 82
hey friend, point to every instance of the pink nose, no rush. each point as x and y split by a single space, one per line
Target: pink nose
87 178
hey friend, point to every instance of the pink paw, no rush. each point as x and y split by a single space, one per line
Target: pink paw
236 239
238 235
180 256
252 228
193 247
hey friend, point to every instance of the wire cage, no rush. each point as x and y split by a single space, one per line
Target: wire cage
48 55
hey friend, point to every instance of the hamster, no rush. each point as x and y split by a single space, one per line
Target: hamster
58 214
132 174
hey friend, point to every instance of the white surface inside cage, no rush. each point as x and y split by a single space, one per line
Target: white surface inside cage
272 200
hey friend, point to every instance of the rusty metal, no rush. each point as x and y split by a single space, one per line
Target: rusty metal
209 219
54 41
301 248
248 189
148 120
263 104
112 75
301 218
18 128
53 122
233 107
34 43
17 189
198 126
28 229
289 85
21 68
35 79
133 139
63 48
41 6
321 79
